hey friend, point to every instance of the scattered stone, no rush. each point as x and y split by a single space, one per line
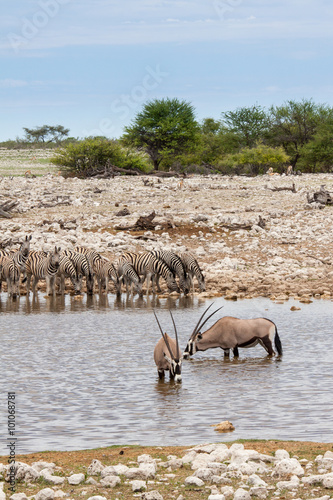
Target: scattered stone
76 478
45 494
225 426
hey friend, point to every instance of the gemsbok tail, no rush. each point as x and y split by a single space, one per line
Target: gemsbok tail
277 342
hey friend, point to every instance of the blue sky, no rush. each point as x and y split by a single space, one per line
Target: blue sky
90 65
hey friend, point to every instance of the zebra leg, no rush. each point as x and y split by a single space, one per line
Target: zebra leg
28 281
34 283
157 281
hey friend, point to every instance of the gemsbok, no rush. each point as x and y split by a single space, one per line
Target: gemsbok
232 333
167 355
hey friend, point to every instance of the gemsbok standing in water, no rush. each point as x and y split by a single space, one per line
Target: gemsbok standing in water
232 333
167 355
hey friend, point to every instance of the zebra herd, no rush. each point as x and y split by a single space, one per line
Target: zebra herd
130 270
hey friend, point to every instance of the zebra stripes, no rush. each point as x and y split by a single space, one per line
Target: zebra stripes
193 269
68 270
83 266
129 276
130 269
10 272
176 265
105 271
42 265
148 266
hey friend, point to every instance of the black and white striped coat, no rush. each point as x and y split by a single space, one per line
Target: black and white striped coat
176 265
129 276
10 272
21 255
193 269
67 269
106 271
148 266
42 265
83 267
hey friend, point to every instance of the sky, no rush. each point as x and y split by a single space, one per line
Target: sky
90 65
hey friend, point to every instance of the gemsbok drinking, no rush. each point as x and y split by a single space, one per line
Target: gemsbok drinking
167 355
232 333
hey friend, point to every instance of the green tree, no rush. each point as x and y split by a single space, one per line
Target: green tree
84 157
164 129
317 154
256 160
294 124
46 134
248 124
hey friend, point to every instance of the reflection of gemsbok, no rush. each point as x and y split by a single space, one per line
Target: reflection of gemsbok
232 333
167 354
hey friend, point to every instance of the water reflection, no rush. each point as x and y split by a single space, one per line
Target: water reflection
84 373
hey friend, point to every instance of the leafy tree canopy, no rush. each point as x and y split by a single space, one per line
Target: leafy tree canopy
163 128
248 123
46 134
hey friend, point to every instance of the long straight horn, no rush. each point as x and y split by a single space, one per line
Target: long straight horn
164 337
174 325
199 325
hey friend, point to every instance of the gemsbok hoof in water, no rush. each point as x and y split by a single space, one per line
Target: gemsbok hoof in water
167 355
232 333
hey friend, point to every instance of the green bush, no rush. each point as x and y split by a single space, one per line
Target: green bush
86 157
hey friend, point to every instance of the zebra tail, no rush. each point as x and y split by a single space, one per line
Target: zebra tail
277 342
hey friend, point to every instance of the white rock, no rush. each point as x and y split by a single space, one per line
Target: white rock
18 496
189 457
228 491
110 481
204 473
194 480
217 496
120 468
95 468
109 471
289 485
60 494
45 494
241 494
151 495
75 479
145 459
328 482
259 492
281 454
138 485
39 466
97 497
288 466
49 478
255 480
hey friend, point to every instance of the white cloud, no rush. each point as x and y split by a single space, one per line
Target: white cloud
10 83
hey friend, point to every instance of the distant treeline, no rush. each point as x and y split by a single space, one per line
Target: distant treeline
165 135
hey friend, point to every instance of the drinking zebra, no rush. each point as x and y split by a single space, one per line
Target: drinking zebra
67 269
175 264
83 267
10 272
106 271
193 269
42 265
128 276
148 266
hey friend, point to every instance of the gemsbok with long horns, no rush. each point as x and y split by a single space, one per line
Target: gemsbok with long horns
232 333
167 355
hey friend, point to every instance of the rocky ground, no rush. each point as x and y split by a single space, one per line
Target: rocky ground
262 470
215 217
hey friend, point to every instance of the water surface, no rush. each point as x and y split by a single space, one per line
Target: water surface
84 374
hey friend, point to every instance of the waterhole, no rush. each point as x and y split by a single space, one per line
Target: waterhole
84 374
